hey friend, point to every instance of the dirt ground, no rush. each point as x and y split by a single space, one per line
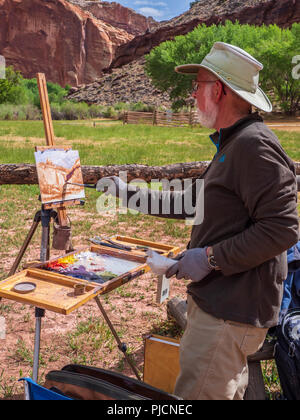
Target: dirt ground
277 125
283 123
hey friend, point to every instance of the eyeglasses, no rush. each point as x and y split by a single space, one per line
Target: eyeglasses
195 85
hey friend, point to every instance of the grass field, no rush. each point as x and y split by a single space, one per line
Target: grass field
83 337
117 144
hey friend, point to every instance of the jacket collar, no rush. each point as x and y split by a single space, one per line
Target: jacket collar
219 138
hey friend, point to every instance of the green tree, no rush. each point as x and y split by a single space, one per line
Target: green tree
55 92
273 46
276 52
14 89
11 89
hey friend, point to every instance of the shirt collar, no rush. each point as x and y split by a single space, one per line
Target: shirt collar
219 138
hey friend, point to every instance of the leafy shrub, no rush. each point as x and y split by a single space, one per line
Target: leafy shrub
56 112
6 112
140 107
110 112
14 89
19 112
95 111
69 110
122 106
56 93
11 89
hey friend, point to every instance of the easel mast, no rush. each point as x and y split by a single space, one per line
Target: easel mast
49 132
45 106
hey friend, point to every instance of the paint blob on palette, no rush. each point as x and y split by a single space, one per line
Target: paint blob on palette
91 266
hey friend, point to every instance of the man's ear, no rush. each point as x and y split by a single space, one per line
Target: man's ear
217 91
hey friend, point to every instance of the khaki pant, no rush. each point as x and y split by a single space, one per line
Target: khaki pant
213 356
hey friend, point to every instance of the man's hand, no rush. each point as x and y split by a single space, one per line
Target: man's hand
111 185
193 265
158 263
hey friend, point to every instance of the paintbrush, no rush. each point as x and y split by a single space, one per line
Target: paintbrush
121 246
82 185
96 242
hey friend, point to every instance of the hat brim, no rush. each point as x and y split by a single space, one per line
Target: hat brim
258 99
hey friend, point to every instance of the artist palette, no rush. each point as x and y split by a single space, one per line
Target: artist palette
98 269
92 266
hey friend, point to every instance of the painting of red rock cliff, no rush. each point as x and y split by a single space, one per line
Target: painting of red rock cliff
55 168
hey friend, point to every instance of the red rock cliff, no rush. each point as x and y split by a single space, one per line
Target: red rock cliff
57 38
256 12
118 16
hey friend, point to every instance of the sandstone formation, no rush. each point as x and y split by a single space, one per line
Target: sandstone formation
76 42
127 84
126 80
57 38
257 12
118 16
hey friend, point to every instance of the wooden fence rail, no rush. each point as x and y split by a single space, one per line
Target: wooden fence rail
166 119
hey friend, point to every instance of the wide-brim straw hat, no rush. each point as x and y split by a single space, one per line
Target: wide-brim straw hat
236 69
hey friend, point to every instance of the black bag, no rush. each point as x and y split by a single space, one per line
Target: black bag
90 383
287 354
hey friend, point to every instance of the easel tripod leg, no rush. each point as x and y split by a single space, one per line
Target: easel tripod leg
45 242
121 345
35 223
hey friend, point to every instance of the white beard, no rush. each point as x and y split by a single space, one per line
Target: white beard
208 117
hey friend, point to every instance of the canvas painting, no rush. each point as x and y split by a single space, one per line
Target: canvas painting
56 167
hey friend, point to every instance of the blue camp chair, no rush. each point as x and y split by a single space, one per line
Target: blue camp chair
291 293
35 392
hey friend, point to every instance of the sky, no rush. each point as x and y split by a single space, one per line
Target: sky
158 9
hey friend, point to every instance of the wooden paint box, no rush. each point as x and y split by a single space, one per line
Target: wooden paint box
55 291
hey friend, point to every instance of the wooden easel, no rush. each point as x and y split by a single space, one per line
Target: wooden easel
44 217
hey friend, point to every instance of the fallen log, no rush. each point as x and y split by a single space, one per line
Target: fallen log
25 174
177 309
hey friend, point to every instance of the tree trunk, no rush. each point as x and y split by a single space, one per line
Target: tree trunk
177 309
22 174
